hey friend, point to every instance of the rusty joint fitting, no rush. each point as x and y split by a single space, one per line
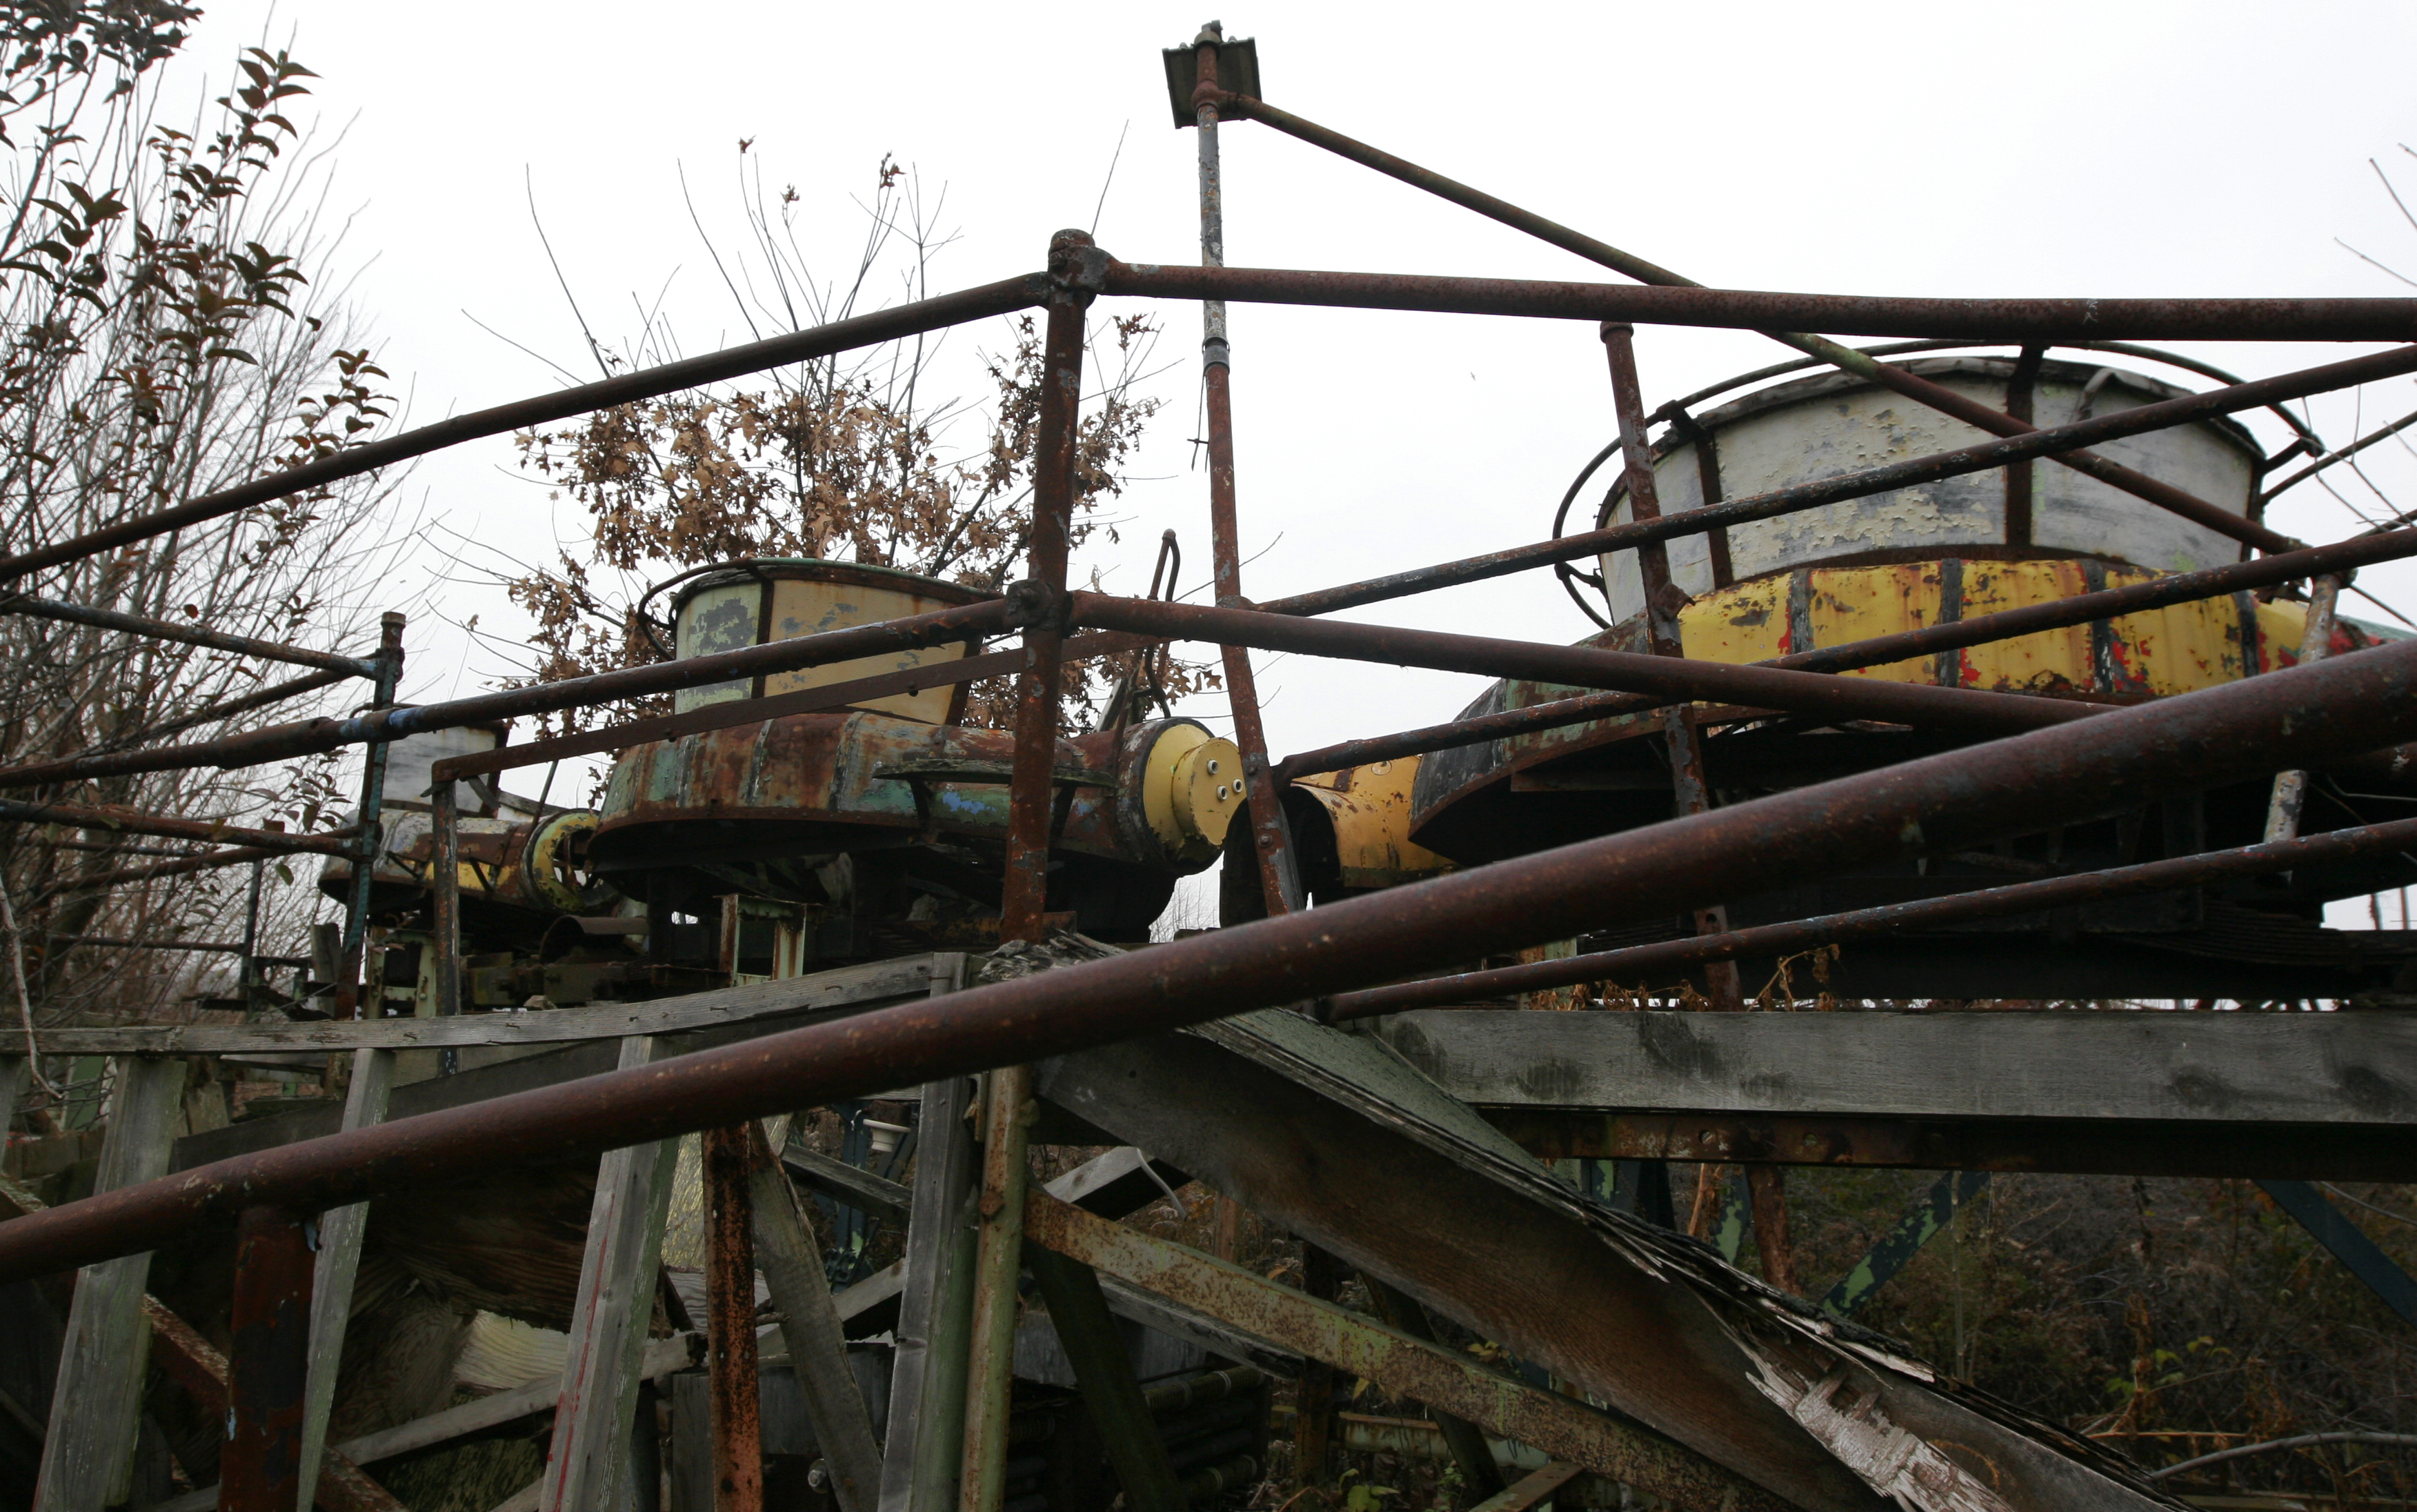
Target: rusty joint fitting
1077 270
1035 606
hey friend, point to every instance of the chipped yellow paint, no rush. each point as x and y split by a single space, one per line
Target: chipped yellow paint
2173 649
1370 807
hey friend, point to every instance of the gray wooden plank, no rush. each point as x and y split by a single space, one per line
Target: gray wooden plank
812 1328
927 1381
340 1259
906 976
87 1453
16 1071
2345 1068
589 1460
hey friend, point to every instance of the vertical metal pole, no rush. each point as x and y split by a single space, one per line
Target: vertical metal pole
1279 874
261 1468
356 902
1690 793
2316 643
734 1398
444 899
251 977
1006 1103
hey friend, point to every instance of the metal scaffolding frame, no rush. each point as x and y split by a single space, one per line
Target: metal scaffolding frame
2032 762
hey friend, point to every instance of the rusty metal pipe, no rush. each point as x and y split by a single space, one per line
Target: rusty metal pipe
733 1400
2305 715
2047 320
911 319
1639 962
310 736
261 1468
1797 497
1879 650
208 860
1670 678
269 650
324 843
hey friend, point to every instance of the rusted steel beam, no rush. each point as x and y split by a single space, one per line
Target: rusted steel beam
1753 687
735 1403
234 947
188 634
325 842
2121 758
352 950
999 1215
263 698
1879 650
260 1468
2338 454
1402 1365
1797 497
2246 320
1032 792
1004 297
278 743
738 711
1643 962
207 861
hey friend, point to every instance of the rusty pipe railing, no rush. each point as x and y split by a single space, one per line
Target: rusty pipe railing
1879 650
309 737
2303 716
325 842
267 650
1636 961
1965 710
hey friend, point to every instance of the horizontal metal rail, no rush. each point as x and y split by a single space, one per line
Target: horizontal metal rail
2367 319
135 624
325 842
1637 962
2300 717
1880 650
1797 497
208 860
1669 677
231 947
755 710
1921 389
1004 297
278 743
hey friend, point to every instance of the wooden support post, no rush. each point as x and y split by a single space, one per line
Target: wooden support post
1313 1411
1078 1309
339 1260
990 1370
261 1468
2316 643
927 1374
88 1451
1465 1442
733 1393
590 1456
811 1327
15 1072
445 900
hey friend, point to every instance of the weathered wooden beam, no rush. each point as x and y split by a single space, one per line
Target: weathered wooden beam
846 986
15 1072
340 1230
2339 1068
2088 1147
590 1455
1402 1366
998 1261
87 1453
812 1328
1463 1438
1094 1346
1530 1489
878 1196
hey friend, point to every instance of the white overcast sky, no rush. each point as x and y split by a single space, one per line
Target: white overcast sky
2108 148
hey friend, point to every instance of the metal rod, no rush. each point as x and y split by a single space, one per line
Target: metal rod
2339 454
2315 643
259 1470
280 743
1796 498
263 698
1032 792
2039 320
2303 715
911 319
1880 650
1641 962
735 1402
205 861
230 947
1750 687
269 650
1270 839
326 843
352 952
